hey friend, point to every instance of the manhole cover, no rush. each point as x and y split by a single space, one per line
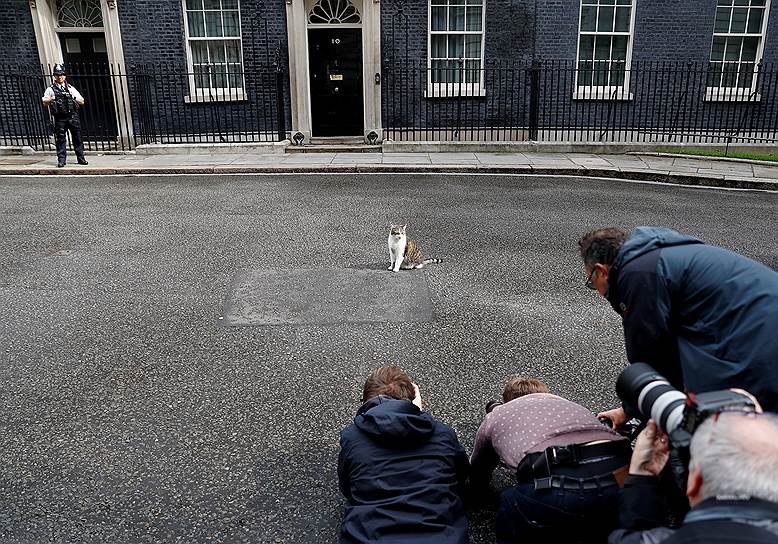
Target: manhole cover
273 297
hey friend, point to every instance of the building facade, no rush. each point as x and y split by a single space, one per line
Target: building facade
253 70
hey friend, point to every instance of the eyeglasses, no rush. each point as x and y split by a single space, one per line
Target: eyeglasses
589 283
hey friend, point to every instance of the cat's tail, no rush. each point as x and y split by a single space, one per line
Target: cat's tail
431 261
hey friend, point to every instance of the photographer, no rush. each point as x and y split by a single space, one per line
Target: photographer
400 470
732 484
568 466
703 316
64 100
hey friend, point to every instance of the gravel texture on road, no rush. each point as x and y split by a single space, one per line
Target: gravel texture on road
131 414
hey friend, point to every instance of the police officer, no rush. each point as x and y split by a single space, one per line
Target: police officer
64 101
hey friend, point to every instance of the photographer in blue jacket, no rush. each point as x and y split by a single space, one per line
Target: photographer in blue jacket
704 317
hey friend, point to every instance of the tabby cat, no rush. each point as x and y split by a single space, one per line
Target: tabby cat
403 252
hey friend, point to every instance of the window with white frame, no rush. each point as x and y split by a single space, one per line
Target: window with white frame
214 48
738 34
604 48
456 47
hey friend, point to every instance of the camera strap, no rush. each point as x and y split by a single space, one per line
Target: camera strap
609 456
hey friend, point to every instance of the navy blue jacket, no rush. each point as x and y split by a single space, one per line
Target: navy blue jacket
704 317
401 472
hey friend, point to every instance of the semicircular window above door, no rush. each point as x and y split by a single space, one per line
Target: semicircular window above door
334 12
79 14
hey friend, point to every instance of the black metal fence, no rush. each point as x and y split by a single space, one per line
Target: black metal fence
653 102
560 101
212 105
148 104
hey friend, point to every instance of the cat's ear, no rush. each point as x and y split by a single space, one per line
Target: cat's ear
404 226
392 226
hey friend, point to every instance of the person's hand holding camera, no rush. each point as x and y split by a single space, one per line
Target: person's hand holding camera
617 417
652 449
417 397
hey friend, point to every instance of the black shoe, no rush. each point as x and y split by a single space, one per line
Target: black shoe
83 161
60 164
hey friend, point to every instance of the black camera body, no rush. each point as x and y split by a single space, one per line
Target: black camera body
700 407
644 391
492 404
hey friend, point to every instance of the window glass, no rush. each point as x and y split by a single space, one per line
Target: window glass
214 41
604 42
738 31
456 34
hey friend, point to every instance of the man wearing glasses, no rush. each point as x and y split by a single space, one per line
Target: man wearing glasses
704 317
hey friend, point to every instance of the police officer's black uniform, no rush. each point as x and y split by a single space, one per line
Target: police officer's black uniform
64 109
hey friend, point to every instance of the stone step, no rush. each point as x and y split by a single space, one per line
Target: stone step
334 148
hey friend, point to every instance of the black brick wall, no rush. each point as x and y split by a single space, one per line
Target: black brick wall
665 31
508 39
17 35
153 35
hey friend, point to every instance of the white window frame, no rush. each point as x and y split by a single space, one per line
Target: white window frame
605 92
448 90
213 94
738 94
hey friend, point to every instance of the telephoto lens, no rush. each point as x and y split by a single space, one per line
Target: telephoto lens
642 388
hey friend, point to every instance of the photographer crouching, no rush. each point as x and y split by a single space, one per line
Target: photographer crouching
729 465
568 466
64 100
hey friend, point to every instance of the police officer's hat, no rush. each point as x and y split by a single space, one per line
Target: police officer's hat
59 70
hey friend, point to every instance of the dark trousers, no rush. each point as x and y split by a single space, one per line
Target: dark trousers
61 126
527 515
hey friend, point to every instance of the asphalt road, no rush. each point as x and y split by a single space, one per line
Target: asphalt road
130 413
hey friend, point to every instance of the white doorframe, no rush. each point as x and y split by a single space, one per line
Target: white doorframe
44 18
299 73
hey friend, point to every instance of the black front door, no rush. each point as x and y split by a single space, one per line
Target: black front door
335 59
86 62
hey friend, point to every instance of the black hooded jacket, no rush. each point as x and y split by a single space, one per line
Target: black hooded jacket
401 472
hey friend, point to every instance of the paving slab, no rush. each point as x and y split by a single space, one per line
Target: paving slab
307 158
397 158
453 158
765 171
357 158
502 158
328 296
738 170
594 161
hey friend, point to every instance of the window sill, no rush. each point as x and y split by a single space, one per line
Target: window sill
729 95
238 96
616 95
443 92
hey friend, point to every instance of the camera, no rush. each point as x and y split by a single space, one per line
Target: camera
646 392
492 404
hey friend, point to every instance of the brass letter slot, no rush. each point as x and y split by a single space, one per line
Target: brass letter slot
336 77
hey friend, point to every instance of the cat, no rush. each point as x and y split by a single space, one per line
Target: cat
403 252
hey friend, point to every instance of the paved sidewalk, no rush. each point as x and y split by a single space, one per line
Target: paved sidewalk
648 167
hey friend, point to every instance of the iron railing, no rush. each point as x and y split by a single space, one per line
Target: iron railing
554 100
147 104
502 101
